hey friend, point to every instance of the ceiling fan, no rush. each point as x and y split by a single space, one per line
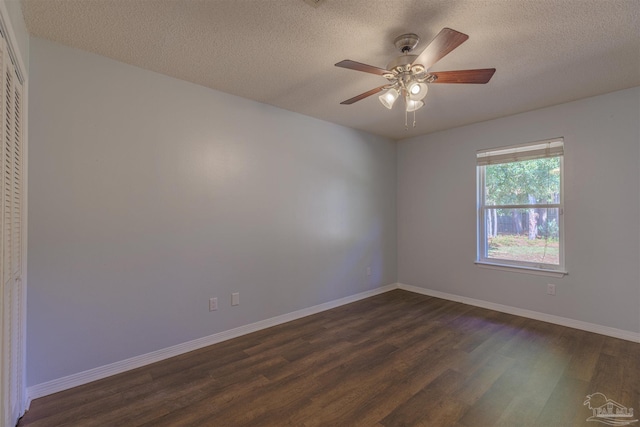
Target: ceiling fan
409 74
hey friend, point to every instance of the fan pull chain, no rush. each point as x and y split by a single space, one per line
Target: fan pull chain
406 113
406 126
414 118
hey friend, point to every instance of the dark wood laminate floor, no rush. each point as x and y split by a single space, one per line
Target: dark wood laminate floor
396 359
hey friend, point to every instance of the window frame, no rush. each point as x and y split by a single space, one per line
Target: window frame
482 208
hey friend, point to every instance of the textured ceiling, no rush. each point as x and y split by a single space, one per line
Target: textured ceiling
282 52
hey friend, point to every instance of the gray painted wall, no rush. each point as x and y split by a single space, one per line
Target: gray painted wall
149 195
437 217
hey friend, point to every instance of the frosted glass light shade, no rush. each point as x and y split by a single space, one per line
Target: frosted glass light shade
414 105
417 91
389 97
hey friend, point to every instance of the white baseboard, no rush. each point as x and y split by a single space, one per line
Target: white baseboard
74 380
550 318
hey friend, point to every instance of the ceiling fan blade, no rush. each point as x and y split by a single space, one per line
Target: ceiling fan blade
480 76
440 46
364 95
353 65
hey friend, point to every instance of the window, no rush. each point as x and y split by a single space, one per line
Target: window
520 206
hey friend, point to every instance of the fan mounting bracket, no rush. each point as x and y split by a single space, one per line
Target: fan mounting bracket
405 43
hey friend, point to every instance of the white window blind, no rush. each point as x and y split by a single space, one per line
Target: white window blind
518 153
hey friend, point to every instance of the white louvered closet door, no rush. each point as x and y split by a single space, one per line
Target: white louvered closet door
12 202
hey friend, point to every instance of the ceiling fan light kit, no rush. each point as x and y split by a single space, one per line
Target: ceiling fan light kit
414 105
389 97
409 75
417 90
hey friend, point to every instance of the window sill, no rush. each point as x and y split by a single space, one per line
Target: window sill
521 269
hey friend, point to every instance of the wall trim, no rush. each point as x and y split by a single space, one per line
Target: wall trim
536 315
6 27
80 378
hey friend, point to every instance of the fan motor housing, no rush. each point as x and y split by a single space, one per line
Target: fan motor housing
401 61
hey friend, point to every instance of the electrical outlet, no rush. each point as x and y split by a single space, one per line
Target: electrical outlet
213 304
551 289
369 271
235 298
